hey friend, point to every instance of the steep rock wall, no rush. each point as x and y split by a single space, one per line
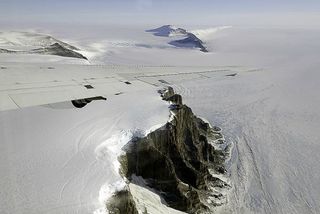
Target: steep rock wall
179 160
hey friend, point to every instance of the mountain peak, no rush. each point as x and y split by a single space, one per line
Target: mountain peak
167 31
34 43
184 39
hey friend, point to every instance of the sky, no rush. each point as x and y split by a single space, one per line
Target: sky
160 11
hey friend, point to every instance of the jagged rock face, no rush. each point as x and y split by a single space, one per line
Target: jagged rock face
175 160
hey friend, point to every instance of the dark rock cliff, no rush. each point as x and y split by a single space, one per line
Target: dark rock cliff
178 161
122 203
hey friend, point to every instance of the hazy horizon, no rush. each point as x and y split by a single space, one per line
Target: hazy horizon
143 12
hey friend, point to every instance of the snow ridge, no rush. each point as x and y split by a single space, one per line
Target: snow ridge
33 43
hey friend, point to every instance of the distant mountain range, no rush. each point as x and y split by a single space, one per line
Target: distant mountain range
184 39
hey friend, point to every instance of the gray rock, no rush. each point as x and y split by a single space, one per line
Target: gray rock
122 202
175 160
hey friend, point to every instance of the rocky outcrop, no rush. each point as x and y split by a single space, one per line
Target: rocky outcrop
122 202
179 160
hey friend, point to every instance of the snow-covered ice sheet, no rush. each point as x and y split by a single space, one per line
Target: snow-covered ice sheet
63 160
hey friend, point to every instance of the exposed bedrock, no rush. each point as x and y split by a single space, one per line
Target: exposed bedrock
179 160
122 202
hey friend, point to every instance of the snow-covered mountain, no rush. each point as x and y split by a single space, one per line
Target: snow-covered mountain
34 43
183 38
17 39
168 31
